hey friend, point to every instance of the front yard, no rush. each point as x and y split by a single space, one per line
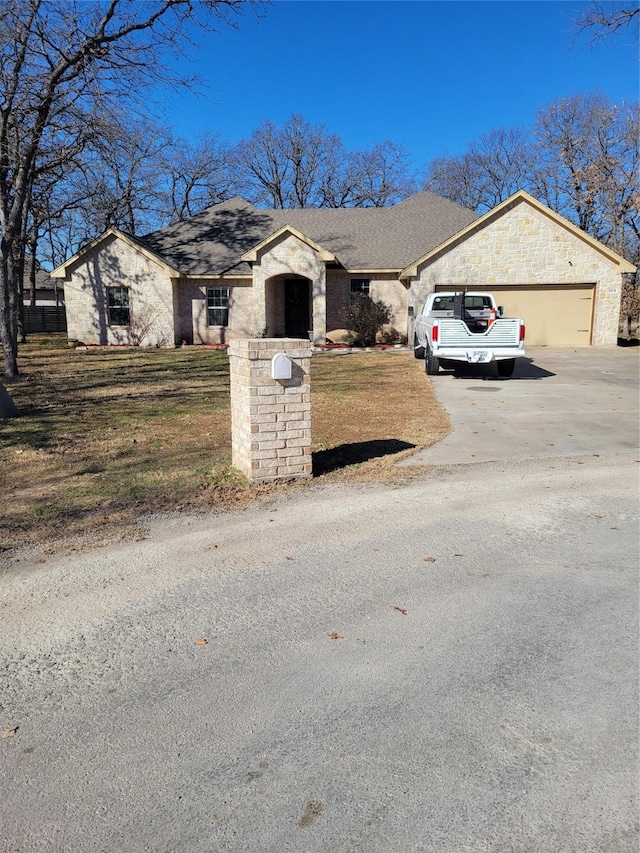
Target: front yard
106 436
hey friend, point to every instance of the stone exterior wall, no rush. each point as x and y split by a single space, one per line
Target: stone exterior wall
523 246
391 291
191 319
337 297
290 256
115 264
270 418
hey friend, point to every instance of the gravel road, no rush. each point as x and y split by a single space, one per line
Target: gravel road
479 693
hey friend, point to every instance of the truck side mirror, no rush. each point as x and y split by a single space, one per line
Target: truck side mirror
500 310
411 311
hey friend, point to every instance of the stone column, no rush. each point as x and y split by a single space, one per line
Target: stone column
319 296
270 418
259 302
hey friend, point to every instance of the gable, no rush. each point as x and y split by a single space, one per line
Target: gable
513 227
101 243
287 231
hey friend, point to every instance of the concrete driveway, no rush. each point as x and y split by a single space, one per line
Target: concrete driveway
561 401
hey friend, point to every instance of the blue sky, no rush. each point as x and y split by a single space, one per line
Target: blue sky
433 75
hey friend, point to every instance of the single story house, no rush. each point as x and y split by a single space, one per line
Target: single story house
234 270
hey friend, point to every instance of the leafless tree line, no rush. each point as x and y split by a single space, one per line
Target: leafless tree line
138 177
581 158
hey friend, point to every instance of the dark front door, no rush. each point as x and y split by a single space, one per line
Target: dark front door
296 308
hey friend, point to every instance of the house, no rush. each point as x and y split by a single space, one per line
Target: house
234 270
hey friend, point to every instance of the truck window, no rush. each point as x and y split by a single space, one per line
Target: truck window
442 303
474 303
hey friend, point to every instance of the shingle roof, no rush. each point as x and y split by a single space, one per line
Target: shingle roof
383 238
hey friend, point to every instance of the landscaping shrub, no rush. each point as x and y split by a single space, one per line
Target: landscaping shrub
364 318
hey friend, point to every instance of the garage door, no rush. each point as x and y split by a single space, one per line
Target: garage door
554 316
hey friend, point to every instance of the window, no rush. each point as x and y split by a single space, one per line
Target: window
471 303
476 303
443 303
217 306
118 305
359 285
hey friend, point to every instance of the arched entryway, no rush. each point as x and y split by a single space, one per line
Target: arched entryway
289 306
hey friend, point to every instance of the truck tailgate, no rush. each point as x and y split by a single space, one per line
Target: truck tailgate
503 333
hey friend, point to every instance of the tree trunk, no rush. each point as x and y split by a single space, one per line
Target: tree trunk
21 335
19 280
10 359
8 315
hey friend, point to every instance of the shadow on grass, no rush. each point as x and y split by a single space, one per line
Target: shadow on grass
325 461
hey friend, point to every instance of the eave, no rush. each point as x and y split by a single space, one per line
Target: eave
62 270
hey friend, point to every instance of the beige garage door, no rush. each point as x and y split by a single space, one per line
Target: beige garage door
553 315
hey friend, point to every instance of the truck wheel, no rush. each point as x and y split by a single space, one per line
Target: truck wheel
418 351
431 363
506 366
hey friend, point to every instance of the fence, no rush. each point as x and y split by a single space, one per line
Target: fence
45 318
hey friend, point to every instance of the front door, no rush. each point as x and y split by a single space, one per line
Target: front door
296 308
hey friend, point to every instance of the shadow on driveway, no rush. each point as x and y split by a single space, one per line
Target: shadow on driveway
525 369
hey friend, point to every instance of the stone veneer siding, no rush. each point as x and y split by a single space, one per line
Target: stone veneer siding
191 312
270 418
523 246
290 256
113 264
390 290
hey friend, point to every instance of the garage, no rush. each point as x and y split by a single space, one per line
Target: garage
563 283
560 315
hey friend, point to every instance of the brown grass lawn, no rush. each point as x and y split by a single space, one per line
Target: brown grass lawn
105 436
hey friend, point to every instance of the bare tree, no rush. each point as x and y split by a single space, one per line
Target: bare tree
288 166
493 168
61 63
132 175
602 20
197 175
339 181
455 178
263 172
383 175
305 165
588 167
304 147
123 176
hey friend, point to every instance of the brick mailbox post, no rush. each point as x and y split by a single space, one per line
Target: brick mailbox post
271 408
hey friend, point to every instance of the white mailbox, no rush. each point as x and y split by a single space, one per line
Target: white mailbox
281 366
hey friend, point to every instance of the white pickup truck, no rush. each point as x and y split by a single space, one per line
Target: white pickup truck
466 327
